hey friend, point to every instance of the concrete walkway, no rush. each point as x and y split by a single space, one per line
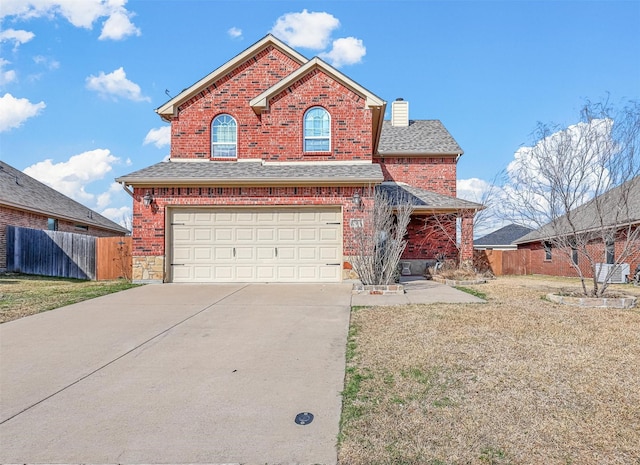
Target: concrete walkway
417 291
177 374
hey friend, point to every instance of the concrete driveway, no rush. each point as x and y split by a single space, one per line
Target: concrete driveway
177 374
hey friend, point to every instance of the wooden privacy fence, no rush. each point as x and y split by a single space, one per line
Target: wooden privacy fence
68 255
508 262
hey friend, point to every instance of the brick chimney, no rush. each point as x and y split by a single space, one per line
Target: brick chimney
400 113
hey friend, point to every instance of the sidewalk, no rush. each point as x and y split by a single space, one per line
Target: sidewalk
418 290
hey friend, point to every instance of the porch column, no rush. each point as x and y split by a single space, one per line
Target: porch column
466 239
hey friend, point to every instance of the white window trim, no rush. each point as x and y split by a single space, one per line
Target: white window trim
213 144
305 138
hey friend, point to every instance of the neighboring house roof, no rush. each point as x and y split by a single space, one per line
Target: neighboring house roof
423 200
619 206
254 172
22 192
503 236
420 137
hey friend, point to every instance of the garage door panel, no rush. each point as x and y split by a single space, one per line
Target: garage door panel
265 253
182 253
265 234
307 253
286 253
223 273
265 272
245 273
223 234
182 234
253 244
245 217
202 254
328 253
223 253
329 235
308 234
245 234
286 234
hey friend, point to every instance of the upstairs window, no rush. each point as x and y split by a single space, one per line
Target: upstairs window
224 133
317 130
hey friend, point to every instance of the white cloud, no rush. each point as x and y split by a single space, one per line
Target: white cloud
46 62
235 32
18 37
116 84
160 137
305 29
118 26
14 111
80 13
103 200
345 51
72 177
6 76
472 189
120 215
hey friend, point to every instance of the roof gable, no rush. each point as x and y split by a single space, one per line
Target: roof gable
170 108
22 192
261 101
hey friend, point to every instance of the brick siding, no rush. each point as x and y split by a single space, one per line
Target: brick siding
436 174
276 134
560 264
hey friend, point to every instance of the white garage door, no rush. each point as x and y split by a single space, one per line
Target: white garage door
256 245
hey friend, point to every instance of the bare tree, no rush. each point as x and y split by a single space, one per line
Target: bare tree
579 187
380 239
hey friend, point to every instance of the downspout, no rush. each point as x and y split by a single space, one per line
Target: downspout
126 189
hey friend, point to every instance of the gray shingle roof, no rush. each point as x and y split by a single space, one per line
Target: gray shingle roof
253 172
21 191
503 236
618 206
424 200
420 137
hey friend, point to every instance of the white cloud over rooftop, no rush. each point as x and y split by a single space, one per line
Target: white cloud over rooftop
15 111
80 13
116 85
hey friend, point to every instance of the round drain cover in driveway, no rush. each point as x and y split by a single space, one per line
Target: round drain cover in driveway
304 418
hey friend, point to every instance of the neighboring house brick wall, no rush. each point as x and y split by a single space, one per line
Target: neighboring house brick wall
437 174
24 219
276 134
560 264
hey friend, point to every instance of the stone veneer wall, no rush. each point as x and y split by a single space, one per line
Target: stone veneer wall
148 269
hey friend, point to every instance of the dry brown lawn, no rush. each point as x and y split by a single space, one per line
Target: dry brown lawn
518 380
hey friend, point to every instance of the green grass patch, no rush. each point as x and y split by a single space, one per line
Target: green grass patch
474 292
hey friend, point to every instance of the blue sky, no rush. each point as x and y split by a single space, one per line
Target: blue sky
79 80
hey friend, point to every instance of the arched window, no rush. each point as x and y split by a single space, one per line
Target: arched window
224 132
317 130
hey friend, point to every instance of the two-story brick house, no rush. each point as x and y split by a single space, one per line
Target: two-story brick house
273 157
